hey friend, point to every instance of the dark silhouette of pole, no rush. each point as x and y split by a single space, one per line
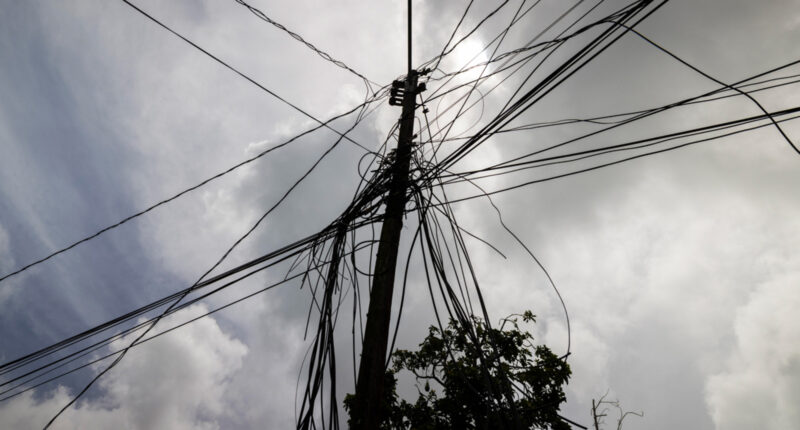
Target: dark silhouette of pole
367 412
368 409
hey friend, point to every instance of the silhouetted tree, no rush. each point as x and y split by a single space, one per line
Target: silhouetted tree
470 376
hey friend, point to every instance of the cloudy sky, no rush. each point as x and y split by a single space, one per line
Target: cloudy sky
679 271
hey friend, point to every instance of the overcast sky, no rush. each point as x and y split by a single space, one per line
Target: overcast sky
680 271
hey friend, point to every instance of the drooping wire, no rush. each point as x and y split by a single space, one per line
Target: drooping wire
207 272
632 145
241 74
190 189
746 94
647 113
174 310
552 81
610 119
639 156
490 129
261 15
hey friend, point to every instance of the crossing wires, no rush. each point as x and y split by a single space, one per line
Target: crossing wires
334 266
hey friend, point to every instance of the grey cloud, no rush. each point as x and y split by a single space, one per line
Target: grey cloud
178 383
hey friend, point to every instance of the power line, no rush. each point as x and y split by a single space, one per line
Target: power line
180 194
636 144
647 113
558 41
610 119
212 268
623 160
261 15
98 345
684 62
360 207
241 74
550 82
444 251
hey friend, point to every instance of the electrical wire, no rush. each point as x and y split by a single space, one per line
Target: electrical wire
261 15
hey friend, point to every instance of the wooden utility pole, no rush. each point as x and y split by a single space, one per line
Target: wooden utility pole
367 411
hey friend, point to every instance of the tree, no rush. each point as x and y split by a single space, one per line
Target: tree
598 414
473 376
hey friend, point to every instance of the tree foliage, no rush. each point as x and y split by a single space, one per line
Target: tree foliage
472 376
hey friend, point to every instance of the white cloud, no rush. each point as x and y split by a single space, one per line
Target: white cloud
760 387
179 381
653 272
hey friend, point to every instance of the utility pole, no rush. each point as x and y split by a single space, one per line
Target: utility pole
370 386
367 412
